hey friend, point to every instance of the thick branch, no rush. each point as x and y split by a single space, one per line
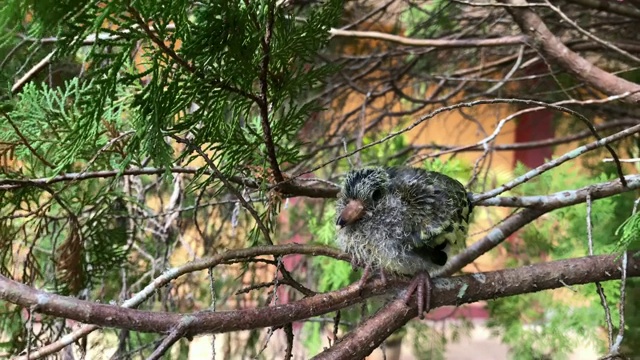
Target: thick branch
547 43
449 291
174 273
482 286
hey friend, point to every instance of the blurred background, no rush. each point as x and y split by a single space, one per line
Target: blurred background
97 198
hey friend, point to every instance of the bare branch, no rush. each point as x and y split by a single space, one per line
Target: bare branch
438 43
469 288
566 197
609 6
314 188
600 290
496 236
264 92
450 291
176 334
35 70
174 273
557 161
590 35
545 41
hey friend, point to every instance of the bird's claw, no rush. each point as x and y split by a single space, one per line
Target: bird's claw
355 264
422 285
363 279
366 274
383 277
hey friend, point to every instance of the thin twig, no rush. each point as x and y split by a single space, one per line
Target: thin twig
603 297
615 347
336 325
632 160
176 334
542 105
270 333
189 267
26 142
558 161
264 93
229 186
589 34
288 330
557 106
439 43
212 289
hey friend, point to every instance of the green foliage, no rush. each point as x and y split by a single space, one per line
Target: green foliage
549 324
331 274
629 233
455 168
86 248
150 70
334 274
431 19
53 119
430 341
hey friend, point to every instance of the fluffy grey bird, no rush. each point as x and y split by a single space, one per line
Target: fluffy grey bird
402 220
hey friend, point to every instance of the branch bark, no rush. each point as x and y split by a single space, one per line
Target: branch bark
481 286
548 44
295 188
449 291
566 197
174 273
439 43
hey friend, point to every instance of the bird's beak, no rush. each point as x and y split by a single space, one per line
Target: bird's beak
350 214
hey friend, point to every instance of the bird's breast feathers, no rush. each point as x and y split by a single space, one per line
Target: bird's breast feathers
422 215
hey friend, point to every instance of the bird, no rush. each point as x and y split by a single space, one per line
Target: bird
403 221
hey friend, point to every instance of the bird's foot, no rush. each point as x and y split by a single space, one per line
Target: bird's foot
355 264
422 285
383 277
363 279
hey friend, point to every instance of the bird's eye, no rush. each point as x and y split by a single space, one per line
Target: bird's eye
377 195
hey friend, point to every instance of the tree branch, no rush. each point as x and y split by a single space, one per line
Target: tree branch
548 44
556 162
567 197
25 141
496 236
197 265
481 286
449 291
438 43
320 190
264 93
559 106
609 6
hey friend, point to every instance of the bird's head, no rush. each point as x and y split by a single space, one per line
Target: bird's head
361 192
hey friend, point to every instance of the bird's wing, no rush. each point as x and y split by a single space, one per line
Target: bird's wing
439 208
